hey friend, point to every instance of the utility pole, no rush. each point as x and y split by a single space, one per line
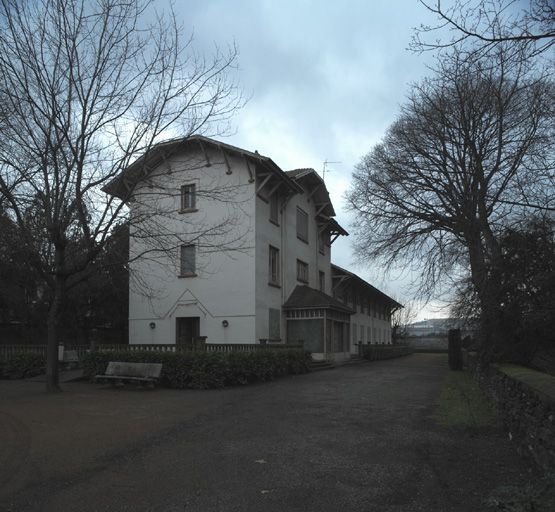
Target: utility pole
326 168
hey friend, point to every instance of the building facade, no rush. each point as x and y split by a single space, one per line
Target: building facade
226 245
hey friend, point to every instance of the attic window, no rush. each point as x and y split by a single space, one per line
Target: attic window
274 208
302 225
188 198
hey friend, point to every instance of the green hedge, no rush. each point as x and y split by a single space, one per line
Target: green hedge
207 370
379 352
21 365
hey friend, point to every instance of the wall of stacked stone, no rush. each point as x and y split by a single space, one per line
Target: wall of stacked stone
528 413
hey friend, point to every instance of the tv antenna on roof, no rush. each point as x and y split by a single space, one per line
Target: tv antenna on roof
326 168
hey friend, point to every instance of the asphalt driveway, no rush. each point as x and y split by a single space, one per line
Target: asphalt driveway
358 438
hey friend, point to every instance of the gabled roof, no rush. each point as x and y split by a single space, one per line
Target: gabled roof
341 271
304 297
147 162
315 184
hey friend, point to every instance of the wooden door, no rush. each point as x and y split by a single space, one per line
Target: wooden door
187 330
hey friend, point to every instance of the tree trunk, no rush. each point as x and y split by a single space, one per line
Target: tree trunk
483 286
52 370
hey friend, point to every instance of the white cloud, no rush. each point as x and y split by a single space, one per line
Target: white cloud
326 79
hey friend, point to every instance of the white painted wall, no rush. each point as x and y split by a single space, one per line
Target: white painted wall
223 228
284 237
233 232
380 329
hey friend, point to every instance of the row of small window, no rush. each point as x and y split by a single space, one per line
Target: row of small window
373 334
364 305
274 272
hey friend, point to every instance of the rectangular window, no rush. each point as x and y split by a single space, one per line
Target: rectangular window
355 332
274 208
188 198
273 266
369 338
188 260
302 271
273 326
321 243
322 281
362 333
302 225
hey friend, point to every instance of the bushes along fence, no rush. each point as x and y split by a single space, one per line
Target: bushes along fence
379 352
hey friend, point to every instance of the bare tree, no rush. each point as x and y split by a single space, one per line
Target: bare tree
401 318
86 88
486 23
451 172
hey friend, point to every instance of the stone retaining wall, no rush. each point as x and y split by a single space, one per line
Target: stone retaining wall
527 411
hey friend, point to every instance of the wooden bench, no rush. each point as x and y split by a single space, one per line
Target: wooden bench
117 373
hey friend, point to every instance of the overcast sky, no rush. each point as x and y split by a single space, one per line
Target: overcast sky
326 79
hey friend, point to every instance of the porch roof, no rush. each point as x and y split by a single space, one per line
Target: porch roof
304 297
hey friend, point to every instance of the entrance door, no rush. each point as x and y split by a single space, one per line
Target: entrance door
187 329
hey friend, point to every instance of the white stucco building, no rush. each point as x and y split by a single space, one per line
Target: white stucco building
225 244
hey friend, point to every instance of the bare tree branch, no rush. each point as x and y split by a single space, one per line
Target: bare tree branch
87 87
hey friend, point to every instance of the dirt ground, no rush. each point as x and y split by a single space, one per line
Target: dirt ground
357 438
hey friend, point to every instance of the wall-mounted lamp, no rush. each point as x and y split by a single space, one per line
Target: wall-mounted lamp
225 323
152 325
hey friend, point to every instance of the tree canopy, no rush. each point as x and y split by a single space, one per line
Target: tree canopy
87 87
470 153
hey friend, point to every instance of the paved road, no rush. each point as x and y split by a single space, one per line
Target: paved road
358 438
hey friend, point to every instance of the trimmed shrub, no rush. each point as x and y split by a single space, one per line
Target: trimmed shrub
21 365
379 352
207 370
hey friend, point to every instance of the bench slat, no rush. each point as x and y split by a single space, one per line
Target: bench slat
131 372
124 369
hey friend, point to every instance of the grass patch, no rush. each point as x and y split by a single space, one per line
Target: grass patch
542 382
535 496
461 403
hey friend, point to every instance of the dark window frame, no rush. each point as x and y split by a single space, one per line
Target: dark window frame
274 270
302 219
302 271
187 268
188 198
274 208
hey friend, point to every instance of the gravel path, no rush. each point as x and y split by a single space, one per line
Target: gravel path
358 438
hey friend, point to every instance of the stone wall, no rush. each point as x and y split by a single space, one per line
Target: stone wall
525 400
